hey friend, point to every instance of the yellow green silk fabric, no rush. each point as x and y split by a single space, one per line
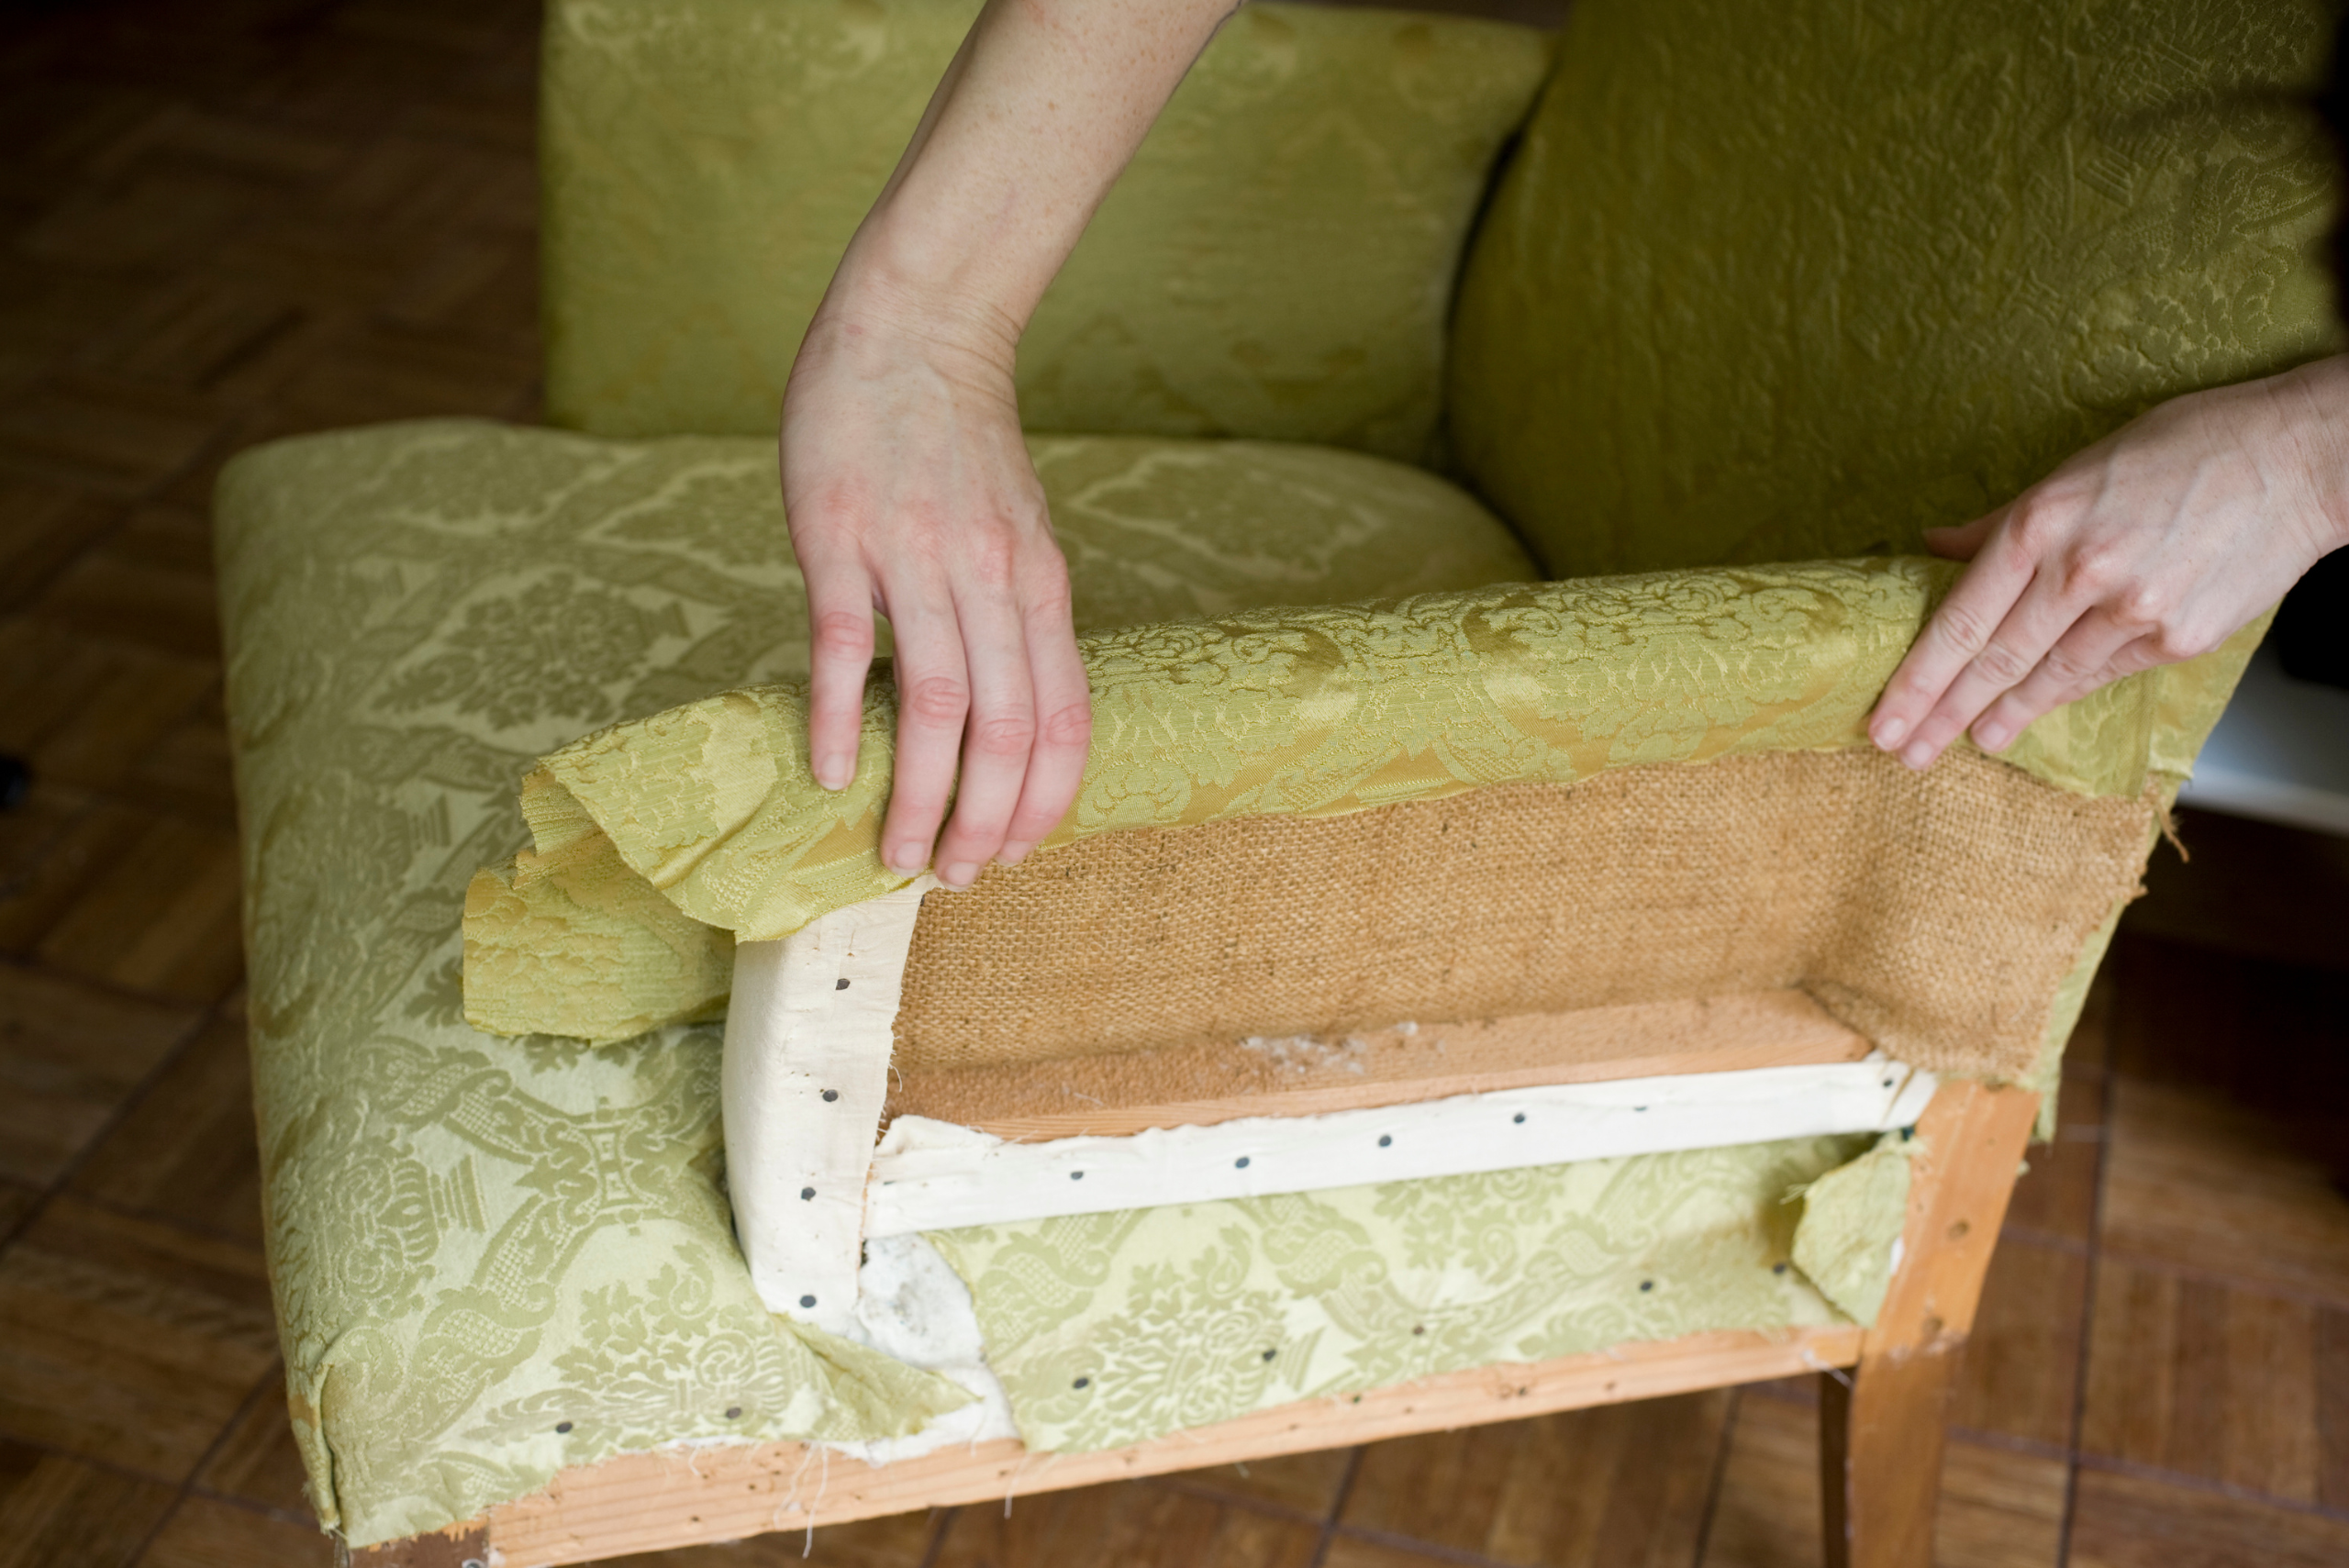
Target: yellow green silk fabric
497 1257
1799 285
1851 1215
1275 262
1111 1329
1300 711
1751 293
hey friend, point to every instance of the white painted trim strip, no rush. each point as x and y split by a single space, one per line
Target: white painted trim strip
931 1175
807 1039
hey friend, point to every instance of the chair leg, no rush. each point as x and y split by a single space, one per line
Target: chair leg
1881 1433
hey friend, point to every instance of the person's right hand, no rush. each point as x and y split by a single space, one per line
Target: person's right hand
907 486
909 491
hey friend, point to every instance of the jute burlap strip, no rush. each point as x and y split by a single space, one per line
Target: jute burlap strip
1935 913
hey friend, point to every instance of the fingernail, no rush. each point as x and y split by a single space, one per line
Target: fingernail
1918 756
906 859
1888 731
1991 737
835 773
961 873
1011 854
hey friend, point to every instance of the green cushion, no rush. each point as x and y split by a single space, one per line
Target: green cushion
495 1257
1773 287
1276 262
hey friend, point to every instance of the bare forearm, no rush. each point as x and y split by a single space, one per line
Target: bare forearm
906 482
1027 130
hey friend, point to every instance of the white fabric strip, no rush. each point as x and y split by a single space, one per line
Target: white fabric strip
807 1039
932 1175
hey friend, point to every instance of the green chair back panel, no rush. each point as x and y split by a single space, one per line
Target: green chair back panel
1797 281
1276 263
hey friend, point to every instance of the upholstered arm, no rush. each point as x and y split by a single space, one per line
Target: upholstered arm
662 839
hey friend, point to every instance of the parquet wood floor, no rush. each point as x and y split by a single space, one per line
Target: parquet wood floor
236 218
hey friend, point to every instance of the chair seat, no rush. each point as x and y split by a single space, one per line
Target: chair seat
495 1257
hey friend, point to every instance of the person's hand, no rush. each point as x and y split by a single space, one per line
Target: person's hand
2154 545
909 491
907 484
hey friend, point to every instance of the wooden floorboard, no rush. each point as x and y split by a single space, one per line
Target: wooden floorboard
239 218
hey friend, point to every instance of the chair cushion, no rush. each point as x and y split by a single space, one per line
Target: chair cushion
1276 262
495 1257
1806 284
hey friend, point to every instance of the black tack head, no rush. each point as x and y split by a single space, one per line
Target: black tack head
1520 1117
1081 1383
1270 1354
1386 1140
807 1301
562 1425
1647 1284
1241 1164
839 984
807 1192
733 1412
830 1095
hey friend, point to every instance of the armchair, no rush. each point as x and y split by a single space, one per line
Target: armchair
1447 974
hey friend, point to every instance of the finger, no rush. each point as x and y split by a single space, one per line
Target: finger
1963 542
839 615
997 738
1064 726
1956 632
933 699
2077 664
2040 618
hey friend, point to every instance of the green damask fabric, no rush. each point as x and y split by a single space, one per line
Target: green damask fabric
1276 262
1297 711
1850 1217
1798 286
495 1257
1111 1329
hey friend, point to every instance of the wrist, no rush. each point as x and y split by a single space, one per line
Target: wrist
2319 417
900 276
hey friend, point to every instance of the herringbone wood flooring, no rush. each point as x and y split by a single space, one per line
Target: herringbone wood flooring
233 219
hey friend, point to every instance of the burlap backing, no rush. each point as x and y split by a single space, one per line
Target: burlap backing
1935 913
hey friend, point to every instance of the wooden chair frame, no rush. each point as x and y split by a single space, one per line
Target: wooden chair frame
1886 1395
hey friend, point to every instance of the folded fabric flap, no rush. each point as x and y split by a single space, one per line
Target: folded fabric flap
1307 711
1846 1242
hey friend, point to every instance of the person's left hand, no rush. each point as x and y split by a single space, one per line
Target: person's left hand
2154 545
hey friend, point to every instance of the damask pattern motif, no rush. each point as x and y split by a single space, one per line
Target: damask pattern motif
1305 711
1112 1329
1803 290
495 1257
1277 261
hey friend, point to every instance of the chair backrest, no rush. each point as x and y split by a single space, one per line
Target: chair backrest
1277 262
1772 283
